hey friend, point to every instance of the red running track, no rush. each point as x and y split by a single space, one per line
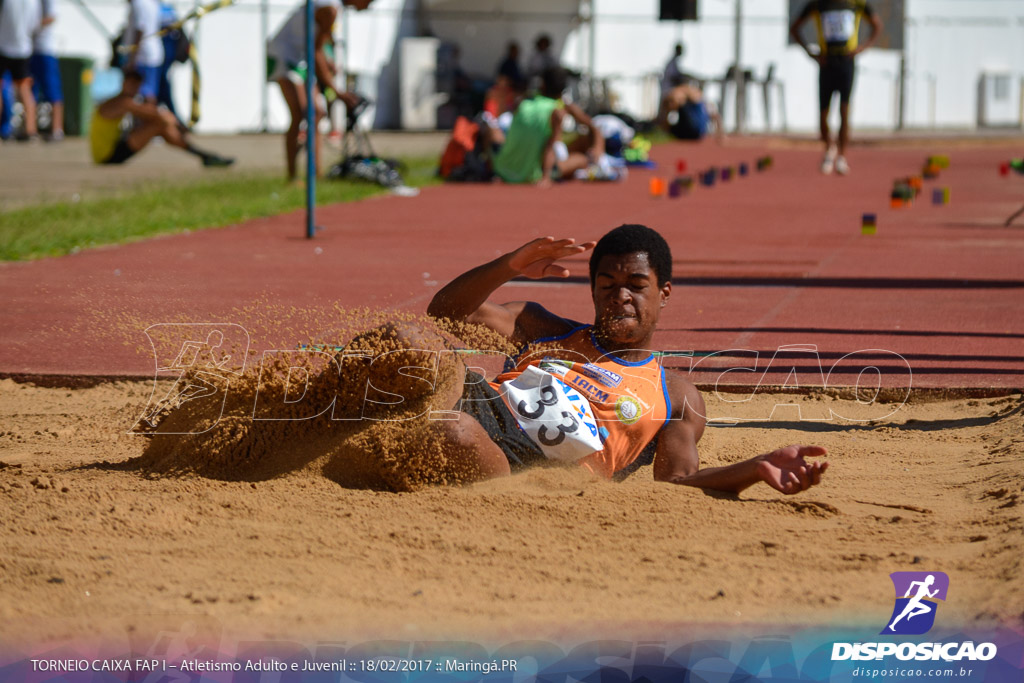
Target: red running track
773 260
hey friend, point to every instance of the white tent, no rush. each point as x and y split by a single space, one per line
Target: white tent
483 28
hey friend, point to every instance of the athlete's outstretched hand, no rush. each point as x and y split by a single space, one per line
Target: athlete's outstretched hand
786 470
536 259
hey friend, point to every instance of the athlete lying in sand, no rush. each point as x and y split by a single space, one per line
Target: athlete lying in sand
591 394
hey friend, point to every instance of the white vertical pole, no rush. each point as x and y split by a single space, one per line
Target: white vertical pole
592 56
264 101
901 107
741 105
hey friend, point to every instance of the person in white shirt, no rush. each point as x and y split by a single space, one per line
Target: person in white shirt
146 54
45 70
19 19
286 66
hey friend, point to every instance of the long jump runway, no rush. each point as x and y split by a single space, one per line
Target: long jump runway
773 282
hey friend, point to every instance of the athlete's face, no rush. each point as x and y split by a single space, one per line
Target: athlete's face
132 85
627 299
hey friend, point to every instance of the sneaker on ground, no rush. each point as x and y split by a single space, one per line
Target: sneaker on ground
842 168
212 160
829 161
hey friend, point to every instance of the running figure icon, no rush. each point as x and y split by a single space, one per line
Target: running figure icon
916 606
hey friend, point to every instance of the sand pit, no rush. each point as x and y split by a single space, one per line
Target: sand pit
94 545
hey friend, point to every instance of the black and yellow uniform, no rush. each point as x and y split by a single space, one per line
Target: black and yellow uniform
838 24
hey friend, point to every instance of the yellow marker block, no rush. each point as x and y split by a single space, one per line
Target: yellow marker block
868 224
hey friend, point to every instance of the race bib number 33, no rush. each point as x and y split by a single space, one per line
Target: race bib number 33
553 414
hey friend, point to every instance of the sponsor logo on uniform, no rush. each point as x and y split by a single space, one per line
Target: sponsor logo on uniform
591 389
627 409
555 367
605 377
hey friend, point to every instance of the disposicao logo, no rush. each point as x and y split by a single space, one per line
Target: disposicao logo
916 595
914 614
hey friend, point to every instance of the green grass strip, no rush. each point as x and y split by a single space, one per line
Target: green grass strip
65 227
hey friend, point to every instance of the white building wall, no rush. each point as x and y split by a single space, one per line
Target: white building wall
949 44
231 55
630 45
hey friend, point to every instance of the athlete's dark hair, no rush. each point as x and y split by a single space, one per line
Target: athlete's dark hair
553 82
629 239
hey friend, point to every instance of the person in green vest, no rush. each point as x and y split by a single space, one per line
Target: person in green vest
532 151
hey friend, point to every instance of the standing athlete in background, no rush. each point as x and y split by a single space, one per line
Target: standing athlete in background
147 48
286 66
46 70
19 19
838 24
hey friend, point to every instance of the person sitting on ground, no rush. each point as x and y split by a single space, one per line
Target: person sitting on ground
594 394
532 151
112 145
286 66
685 114
502 97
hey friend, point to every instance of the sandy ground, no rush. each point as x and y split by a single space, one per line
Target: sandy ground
91 545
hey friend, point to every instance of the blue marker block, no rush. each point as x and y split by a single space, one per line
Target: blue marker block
743 169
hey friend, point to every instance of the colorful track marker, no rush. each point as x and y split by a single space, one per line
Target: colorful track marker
868 224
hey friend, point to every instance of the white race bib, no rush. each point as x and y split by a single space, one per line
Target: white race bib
556 416
838 25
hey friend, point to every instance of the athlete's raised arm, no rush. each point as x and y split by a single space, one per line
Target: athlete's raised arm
465 298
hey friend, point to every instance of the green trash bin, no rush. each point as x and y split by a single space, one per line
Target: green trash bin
76 78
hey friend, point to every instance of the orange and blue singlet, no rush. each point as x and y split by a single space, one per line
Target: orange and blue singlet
624 404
